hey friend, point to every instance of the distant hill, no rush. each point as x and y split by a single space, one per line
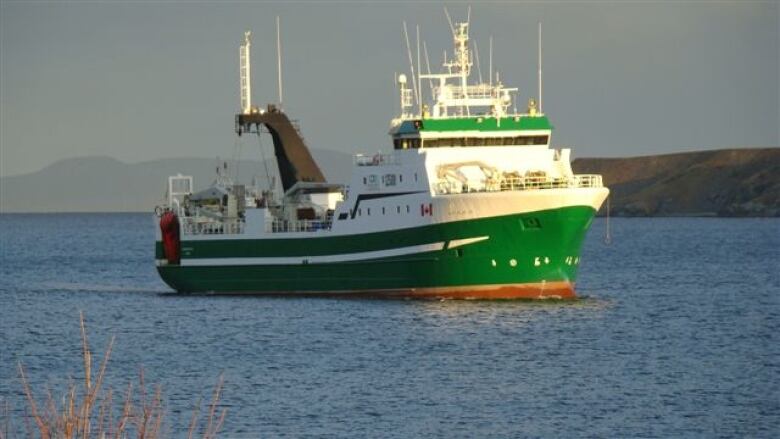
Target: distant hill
104 184
729 182
736 182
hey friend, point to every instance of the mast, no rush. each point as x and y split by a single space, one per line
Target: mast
245 74
490 76
540 67
461 63
453 90
419 81
279 59
411 66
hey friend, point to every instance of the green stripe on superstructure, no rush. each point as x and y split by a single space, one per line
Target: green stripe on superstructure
527 123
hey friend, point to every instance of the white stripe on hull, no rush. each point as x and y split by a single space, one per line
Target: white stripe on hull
298 260
460 242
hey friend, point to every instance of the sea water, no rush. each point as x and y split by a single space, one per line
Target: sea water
676 334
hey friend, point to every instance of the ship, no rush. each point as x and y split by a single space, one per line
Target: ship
470 201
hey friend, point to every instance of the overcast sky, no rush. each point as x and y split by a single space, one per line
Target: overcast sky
144 80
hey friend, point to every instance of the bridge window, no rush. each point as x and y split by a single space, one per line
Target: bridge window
486 141
406 143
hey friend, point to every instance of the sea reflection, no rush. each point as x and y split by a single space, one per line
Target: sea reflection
472 314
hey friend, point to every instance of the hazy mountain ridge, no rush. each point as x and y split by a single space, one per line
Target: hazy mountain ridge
734 182
104 184
728 182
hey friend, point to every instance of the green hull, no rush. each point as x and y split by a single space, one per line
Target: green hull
523 251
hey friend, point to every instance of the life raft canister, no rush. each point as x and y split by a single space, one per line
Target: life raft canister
169 226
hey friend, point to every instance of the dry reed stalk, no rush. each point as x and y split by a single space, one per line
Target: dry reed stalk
127 409
104 408
43 428
155 431
75 418
212 407
217 395
69 422
51 406
6 420
92 397
151 412
90 390
27 426
219 423
211 428
141 420
194 420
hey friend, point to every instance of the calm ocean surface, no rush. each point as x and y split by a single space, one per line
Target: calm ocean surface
677 334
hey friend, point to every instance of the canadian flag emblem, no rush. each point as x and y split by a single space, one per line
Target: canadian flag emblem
426 209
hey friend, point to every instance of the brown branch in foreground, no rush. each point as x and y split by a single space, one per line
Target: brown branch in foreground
105 408
42 427
86 354
6 420
211 429
51 406
127 409
215 397
155 431
194 420
73 417
212 408
27 426
219 423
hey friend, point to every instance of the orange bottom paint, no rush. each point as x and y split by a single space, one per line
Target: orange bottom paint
538 290
541 290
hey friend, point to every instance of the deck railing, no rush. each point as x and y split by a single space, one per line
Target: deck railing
197 226
443 187
588 180
480 91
